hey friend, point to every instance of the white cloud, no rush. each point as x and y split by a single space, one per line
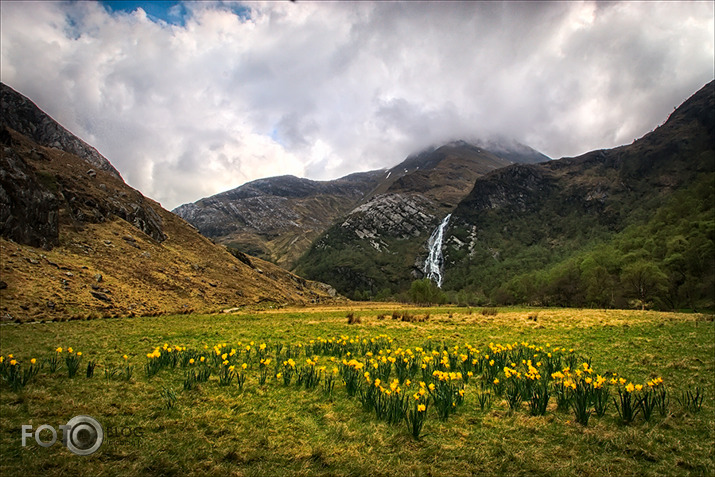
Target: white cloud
325 89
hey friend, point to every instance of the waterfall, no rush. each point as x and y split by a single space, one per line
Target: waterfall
433 264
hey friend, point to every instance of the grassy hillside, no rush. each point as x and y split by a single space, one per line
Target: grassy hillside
295 429
667 262
112 252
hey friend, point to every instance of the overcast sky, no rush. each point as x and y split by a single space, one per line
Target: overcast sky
193 99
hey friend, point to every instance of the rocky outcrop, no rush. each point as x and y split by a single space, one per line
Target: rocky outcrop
39 186
399 216
517 187
28 204
22 115
37 190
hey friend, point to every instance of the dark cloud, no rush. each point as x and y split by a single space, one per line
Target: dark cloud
233 92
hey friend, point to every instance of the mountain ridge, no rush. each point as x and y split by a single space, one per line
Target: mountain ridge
24 116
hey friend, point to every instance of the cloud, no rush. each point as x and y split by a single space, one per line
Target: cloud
232 92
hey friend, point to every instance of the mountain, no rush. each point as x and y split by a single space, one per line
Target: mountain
536 232
77 242
276 218
379 247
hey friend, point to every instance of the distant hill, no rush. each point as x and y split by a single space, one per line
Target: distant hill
276 218
77 242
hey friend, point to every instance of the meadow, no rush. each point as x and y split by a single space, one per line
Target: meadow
398 391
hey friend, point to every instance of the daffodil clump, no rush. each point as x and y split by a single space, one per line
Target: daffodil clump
15 373
72 361
90 368
263 370
287 371
691 400
351 371
226 373
53 362
309 374
447 391
416 414
329 380
163 357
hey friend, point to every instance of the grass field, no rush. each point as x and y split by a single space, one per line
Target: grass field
279 429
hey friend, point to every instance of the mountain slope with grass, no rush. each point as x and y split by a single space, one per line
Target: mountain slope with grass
542 233
77 242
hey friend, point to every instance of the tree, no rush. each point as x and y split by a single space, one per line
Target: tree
644 281
425 292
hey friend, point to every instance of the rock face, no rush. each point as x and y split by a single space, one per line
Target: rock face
32 197
22 115
28 209
400 216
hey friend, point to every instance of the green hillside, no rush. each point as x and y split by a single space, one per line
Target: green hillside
578 231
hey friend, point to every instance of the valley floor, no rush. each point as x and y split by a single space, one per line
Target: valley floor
153 425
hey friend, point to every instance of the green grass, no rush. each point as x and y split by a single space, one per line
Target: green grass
273 429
